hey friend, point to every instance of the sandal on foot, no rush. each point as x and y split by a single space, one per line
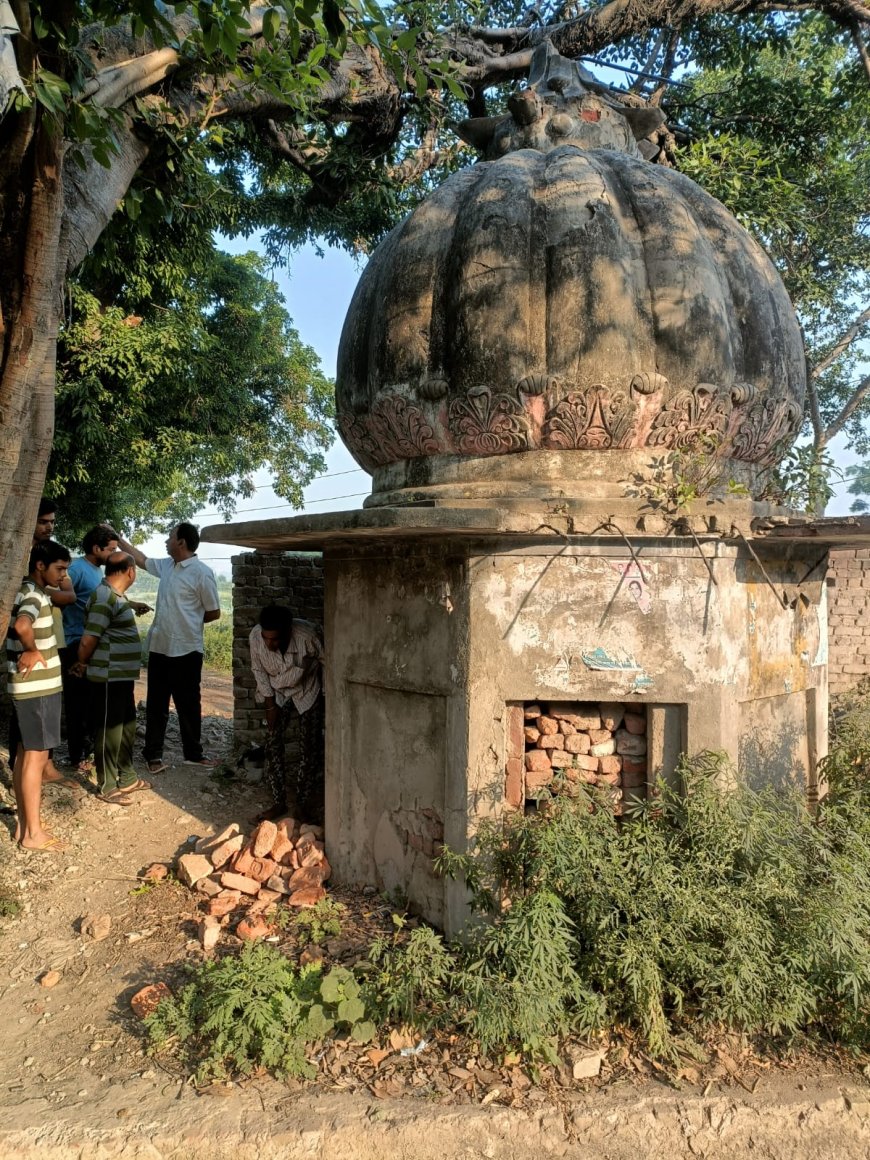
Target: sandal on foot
157 766
139 784
117 797
52 846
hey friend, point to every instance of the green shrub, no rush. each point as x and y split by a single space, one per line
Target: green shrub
718 905
313 924
218 643
256 1010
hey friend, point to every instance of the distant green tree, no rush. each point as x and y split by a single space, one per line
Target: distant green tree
774 120
172 396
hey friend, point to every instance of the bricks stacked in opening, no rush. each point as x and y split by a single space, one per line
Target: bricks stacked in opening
553 747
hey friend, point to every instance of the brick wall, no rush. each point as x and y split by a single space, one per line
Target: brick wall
848 617
267 578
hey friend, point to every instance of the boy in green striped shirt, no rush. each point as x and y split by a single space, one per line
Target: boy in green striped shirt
34 685
111 650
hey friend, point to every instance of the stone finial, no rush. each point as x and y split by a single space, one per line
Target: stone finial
563 105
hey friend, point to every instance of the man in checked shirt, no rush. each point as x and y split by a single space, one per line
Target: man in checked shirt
287 662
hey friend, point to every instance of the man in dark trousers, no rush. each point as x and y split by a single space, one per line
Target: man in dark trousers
187 599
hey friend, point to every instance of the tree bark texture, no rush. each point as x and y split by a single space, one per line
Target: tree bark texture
33 292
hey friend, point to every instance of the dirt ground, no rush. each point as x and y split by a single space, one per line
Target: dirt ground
77 1081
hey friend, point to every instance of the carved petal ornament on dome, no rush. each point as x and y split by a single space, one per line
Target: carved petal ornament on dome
568 296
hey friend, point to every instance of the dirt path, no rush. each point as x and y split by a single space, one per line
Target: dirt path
76 1081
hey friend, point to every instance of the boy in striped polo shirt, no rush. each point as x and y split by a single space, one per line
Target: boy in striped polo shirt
34 684
112 651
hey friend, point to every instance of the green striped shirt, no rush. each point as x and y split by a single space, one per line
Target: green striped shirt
32 602
118 656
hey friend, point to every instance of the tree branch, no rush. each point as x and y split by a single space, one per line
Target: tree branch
845 340
859 395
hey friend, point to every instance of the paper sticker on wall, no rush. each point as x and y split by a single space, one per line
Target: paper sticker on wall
633 583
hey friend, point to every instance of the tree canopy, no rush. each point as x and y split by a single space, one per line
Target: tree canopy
151 125
175 384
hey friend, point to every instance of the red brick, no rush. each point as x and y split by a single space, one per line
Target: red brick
547 725
635 723
243 861
304 877
609 778
610 764
629 744
288 826
611 714
532 712
281 847
538 778
585 761
209 932
278 884
256 927
559 758
596 736
551 741
221 854
208 886
263 839
514 790
155 872
145 1002
578 743
531 734
239 882
307 896
212 841
223 903
515 725
537 761
634 765
566 728
192 867
262 869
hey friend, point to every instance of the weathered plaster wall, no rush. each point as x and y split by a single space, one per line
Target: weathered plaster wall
570 626
261 578
849 617
396 644
418 689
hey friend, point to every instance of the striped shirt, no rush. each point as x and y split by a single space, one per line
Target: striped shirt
118 656
286 676
41 681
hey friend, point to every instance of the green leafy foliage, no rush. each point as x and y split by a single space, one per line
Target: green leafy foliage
313 924
802 480
715 904
175 398
255 1010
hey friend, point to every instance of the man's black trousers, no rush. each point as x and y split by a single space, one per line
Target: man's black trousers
178 679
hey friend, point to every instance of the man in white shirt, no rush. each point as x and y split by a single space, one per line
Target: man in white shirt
287 663
187 599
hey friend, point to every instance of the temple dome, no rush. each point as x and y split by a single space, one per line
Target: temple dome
564 299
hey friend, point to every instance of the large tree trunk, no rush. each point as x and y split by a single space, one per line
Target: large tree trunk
27 374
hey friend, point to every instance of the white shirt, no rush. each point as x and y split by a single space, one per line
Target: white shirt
187 590
282 675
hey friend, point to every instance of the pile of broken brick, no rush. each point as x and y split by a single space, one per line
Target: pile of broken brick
242 880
